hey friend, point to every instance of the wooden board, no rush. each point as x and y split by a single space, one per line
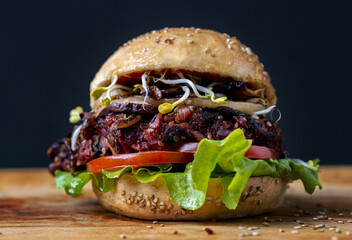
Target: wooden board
32 208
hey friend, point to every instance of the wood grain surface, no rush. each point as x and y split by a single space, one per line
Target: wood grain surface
32 208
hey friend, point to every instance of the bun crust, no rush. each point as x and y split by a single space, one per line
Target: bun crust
189 49
151 200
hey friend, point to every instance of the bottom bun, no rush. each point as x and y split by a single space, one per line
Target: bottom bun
151 200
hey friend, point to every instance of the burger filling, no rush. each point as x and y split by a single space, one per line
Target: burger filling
184 129
129 128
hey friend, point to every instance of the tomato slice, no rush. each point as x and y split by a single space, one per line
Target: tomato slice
183 154
260 152
119 161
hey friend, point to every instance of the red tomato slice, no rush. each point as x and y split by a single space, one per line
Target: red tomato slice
183 154
120 161
260 152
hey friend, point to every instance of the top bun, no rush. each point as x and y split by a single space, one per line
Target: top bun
187 49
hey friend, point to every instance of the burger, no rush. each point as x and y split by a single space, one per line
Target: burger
181 128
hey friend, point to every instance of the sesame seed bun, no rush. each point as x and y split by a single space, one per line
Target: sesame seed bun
186 49
151 200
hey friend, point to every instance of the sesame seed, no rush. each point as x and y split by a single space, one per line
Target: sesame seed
241 228
248 50
207 50
253 228
330 218
281 230
265 224
341 214
342 222
245 234
349 221
149 226
162 225
123 236
315 219
348 233
255 233
338 230
229 46
334 238
321 230
332 229
297 227
154 222
295 232
190 41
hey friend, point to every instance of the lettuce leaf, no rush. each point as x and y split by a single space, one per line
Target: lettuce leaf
71 184
222 159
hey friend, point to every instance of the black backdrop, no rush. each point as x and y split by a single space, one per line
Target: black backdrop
50 51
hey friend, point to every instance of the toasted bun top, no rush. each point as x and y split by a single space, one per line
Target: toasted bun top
189 49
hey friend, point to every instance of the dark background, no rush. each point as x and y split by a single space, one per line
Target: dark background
50 51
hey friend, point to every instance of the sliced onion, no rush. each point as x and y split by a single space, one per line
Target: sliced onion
129 121
74 137
245 107
145 87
